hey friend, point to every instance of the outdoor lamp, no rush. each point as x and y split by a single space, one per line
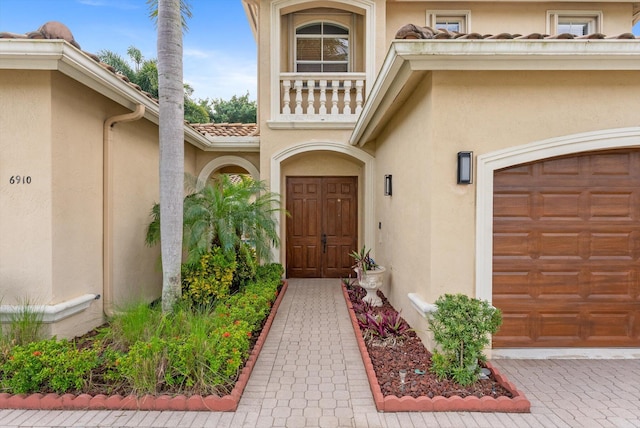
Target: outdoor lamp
387 185
465 167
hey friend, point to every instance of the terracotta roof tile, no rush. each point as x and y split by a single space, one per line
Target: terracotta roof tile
56 30
226 129
411 31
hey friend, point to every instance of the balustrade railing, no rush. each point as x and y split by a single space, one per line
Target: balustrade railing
321 96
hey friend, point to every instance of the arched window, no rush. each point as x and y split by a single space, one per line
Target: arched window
322 47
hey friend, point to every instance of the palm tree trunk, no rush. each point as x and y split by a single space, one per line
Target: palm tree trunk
171 97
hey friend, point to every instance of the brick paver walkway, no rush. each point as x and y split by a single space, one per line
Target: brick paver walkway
310 374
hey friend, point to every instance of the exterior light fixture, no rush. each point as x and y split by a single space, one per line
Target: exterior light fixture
387 185
465 167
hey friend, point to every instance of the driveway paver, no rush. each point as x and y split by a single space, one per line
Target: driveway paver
310 374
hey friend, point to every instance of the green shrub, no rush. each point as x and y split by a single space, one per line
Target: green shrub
270 272
49 366
196 349
210 279
461 328
246 264
24 326
137 322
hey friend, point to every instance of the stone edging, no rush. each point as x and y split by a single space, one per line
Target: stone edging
518 404
228 403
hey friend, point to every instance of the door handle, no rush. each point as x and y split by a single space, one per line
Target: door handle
324 243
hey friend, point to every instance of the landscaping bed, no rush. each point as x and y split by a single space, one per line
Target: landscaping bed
103 392
422 390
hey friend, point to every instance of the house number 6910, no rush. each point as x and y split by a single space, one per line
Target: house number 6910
20 179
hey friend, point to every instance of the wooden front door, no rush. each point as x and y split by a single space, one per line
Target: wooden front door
566 252
322 229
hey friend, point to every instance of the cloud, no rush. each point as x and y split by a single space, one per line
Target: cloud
123 5
215 74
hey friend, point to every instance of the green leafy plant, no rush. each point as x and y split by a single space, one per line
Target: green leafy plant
225 214
384 328
210 278
48 365
25 325
461 327
192 350
363 261
246 264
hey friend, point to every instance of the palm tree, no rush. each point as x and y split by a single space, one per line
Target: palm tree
225 214
136 56
171 103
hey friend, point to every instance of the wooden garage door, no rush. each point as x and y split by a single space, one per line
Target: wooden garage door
566 257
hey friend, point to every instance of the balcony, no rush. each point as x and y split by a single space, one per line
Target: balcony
319 100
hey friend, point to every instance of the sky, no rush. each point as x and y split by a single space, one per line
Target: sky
219 48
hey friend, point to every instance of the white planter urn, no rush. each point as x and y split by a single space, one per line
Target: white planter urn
371 281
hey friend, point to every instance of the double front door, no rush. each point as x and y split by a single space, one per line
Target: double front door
322 227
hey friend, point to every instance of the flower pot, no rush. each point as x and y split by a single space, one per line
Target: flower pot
371 281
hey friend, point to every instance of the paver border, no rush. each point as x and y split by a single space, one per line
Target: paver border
227 403
518 404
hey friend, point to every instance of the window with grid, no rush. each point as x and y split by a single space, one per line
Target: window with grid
578 23
451 20
322 47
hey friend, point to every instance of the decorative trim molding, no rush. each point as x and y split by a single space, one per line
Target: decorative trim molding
276 30
368 186
223 161
50 313
490 162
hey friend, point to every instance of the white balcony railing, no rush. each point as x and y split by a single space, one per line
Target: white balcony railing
321 97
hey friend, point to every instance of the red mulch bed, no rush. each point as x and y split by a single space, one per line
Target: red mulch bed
412 356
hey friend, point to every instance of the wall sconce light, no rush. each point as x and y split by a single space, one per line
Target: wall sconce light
387 185
465 167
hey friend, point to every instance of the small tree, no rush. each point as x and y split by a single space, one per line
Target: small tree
226 214
461 327
236 110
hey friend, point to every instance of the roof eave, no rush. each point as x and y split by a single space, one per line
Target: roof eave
251 9
58 55
234 144
408 58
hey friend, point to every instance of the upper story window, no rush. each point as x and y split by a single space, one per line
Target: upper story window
457 21
322 47
578 23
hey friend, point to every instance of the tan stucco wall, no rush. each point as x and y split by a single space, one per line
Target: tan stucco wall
25 209
428 225
51 230
505 17
76 159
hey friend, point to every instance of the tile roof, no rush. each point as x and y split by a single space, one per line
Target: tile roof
411 31
226 129
57 30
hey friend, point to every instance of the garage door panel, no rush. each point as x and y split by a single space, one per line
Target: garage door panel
516 325
516 205
566 268
612 245
555 245
560 325
560 284
511 284
560 205
512 245
611 164
611 206
611 325
561 167
613 284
